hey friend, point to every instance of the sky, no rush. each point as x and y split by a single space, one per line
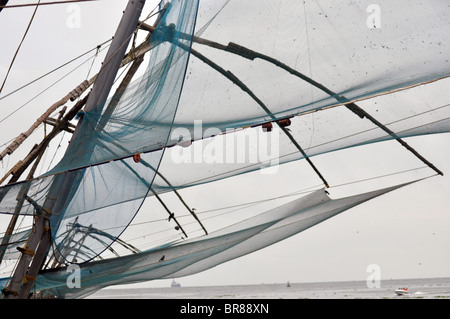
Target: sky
404 234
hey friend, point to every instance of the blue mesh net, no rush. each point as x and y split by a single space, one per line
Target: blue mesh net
82 192
174 260
245 67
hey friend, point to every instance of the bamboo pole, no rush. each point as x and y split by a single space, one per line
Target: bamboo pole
72 95
251 55
131 56
30 264
20 200
45 142
242 86
137 54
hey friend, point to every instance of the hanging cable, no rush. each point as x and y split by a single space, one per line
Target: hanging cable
93 60
54 70
18 48
60 79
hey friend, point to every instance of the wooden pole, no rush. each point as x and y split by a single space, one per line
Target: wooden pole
2 4
20 200
244 88
19 139
251 55
31 261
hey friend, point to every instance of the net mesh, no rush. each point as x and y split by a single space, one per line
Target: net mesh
173 260
217 72
81 196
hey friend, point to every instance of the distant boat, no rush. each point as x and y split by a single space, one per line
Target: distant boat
401 291
175 284
288 284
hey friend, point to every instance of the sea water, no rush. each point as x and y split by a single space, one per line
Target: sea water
432 288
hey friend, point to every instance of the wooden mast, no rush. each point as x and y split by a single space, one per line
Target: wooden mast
38 244
3 3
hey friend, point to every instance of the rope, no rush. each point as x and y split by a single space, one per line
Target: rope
296 193
55 69
381 176
37 95
238 207
18 48
92 63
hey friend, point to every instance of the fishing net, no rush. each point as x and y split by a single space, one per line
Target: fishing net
88 199
174 260
217 79
296 58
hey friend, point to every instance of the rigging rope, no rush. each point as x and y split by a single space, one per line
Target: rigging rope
18 48
238 207
54 83
54 70
250 54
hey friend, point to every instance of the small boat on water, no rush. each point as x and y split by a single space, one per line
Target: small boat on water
175 284
401 291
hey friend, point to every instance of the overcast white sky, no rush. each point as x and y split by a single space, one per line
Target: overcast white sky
405 233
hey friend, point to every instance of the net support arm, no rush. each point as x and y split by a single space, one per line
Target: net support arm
143 162
61 186
251 55
246 89
361 113
148 184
